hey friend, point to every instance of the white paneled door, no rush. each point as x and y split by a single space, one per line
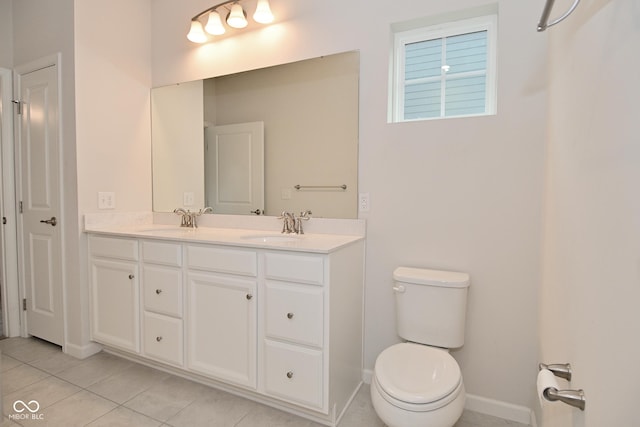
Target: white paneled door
234 168
41 234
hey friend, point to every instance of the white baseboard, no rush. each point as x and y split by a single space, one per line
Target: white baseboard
82 352
497 408
367 375
483 405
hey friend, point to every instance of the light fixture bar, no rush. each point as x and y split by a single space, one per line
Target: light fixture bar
235 19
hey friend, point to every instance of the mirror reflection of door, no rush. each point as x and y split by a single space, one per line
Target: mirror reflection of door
234 168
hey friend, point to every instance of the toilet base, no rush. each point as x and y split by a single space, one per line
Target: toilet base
392 416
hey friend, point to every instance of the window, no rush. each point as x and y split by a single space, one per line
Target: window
446 70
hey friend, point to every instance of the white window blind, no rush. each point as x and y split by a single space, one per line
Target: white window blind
445 72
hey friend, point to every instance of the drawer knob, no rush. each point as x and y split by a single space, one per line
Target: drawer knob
158 339
290 374
289 315
158 291
131 276
249 296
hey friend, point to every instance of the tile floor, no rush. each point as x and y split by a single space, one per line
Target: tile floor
105 390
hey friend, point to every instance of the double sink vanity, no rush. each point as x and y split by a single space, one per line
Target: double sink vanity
273 317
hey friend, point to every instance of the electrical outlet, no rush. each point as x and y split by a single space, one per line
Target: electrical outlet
363 202
106 200
189 198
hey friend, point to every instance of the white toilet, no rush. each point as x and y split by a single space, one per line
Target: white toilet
418 383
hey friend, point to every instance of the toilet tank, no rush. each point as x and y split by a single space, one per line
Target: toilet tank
431 306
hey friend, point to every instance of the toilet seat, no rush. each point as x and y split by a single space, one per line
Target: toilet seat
417 377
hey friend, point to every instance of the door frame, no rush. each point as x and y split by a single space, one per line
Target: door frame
10 281
38 64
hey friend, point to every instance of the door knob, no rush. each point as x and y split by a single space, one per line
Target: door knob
53 221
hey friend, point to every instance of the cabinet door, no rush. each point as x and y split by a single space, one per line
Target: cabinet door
222 327
115 303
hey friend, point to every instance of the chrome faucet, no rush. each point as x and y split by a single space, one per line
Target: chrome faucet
304 216
190 219
288 222
185 217
293 224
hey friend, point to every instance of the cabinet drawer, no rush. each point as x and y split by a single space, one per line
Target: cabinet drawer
162 338
222 260
294 373
295 268
162 253
162 287
294 312
113 248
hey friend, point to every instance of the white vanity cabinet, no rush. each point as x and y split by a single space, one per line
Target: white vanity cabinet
162 295
222 313
278 325
114 292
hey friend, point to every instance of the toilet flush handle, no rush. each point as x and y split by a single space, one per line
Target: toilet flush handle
398 288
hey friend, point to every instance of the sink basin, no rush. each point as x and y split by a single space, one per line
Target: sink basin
271 238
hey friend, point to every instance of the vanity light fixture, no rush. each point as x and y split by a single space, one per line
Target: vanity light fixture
236 17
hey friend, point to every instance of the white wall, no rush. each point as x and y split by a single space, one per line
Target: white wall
459 194
113 98
113 122
591 288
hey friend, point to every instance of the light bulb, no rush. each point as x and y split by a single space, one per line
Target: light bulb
214 24
237 18
196 33
263 13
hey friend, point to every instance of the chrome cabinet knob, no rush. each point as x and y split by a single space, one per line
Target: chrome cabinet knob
158 339
131 276
158 291
289 315
249 296
290 374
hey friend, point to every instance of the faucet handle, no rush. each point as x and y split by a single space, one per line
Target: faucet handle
305 215
205 210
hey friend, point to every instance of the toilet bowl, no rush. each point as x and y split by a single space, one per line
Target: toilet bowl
416 385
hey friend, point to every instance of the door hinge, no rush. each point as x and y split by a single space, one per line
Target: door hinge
19 105
24 304
20 206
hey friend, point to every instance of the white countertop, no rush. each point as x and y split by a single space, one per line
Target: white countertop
251 238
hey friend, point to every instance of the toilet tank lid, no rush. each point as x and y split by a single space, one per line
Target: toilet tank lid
424 276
